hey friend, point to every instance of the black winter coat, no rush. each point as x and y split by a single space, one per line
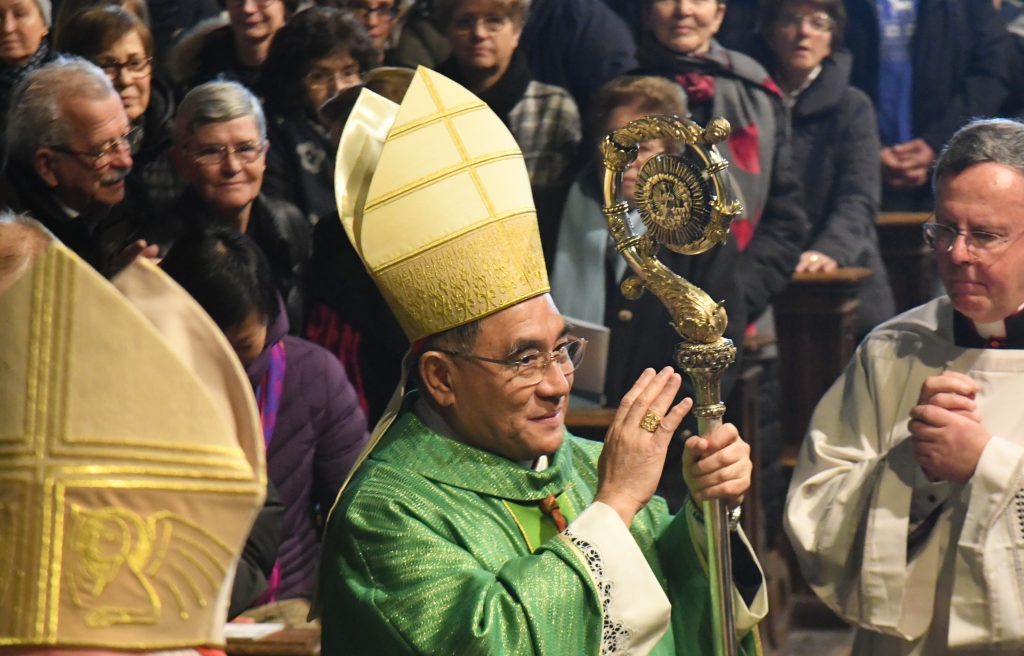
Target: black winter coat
836 153
152 168
276 226
577 45
98 235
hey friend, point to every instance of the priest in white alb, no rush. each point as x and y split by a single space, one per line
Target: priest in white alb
906 508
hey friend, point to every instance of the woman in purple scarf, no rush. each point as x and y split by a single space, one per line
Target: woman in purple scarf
313 427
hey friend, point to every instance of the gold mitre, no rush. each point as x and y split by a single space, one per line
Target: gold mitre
128 486
435 197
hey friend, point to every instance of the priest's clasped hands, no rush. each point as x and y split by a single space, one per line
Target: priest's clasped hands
946 429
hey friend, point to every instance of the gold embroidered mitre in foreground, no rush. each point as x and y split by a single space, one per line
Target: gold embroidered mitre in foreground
439 209
128 484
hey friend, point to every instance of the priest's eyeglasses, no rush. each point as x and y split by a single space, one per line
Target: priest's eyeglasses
530 368
979 243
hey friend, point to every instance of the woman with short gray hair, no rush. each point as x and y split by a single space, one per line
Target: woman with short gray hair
217 102
24 47
220 149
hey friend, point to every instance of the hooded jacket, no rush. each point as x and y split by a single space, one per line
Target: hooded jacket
319 432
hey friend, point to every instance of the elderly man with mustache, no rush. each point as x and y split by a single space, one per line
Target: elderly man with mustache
69 152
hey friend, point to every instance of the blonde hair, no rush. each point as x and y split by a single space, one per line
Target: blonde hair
651 94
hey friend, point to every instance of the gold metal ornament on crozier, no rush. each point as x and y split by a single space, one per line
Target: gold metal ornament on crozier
685 204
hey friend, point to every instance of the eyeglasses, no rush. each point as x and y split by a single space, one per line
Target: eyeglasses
103 155
700 4
979 243
322 77
491 24
247 152
364 11
262 4
819 21
134 67
530 368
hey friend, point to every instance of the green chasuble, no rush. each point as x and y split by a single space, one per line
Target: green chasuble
440 548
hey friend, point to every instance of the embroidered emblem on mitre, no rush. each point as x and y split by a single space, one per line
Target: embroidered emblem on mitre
128 484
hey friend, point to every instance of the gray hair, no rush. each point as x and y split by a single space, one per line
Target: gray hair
460 339
46 10
22 239
36 117
997 140
216 102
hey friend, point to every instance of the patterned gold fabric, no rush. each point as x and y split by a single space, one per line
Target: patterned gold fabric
127 485
440 209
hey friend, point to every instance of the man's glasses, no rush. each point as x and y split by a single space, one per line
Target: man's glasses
530 368
491 24
819 21
135 68
103 155
364 11
247 152
979 243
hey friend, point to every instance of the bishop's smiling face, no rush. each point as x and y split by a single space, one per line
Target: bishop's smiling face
491 408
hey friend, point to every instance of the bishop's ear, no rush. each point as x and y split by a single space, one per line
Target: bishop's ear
436 372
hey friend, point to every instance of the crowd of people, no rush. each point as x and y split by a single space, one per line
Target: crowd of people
247 150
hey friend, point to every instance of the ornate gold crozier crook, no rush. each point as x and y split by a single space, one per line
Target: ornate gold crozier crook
686 204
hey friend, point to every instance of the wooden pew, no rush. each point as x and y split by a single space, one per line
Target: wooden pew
815 326
286 642
908 260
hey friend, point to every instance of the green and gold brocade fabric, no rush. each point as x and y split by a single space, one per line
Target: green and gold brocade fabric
429 552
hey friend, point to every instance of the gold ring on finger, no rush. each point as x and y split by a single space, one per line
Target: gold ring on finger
651 421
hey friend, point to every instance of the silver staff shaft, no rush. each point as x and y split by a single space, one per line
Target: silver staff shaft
705 364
